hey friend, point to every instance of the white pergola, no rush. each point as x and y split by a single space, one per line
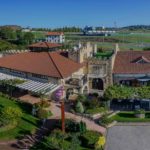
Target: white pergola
32 86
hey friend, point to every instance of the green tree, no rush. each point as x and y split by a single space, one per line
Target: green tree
28 37
118 92
7 33
143 92
81 98
44 114
12 114
75 143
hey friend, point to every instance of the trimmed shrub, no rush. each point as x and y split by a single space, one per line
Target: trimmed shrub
72 126
55 141
43 104
100 143
89 138
140 111
94 103
11 114
81 98
79 107
43 114
105 120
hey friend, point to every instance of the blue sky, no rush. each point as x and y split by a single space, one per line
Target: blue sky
59 13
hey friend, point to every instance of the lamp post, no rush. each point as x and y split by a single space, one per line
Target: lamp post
63 116
60 97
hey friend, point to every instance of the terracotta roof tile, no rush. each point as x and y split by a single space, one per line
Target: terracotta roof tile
44 45
126 62
44 63
55 33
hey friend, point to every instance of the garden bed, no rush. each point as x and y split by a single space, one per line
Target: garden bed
96 110
76 137
26 125
129 116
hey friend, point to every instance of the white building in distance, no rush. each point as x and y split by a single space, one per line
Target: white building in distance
55 37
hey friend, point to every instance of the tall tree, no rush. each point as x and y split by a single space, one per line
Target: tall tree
28 37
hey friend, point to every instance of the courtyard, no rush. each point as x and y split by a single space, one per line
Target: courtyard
129 137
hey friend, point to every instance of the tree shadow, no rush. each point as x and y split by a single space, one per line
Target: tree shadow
126 115
26 107
38 122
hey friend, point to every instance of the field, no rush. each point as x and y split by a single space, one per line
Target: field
126 40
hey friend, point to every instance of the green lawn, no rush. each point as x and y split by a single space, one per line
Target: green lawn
127 41
28 123
129 117
95 110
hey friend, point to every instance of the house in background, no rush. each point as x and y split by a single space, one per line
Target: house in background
44 46
55 37
132 68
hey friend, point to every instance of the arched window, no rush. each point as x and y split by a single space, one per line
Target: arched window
97 83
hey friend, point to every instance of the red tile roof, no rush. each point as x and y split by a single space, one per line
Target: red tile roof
44 45
55 33
126 62
45 63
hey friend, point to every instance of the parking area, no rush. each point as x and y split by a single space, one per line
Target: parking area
128 137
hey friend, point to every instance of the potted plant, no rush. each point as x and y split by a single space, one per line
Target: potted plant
140 113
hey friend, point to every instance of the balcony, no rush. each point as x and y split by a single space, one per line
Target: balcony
75 81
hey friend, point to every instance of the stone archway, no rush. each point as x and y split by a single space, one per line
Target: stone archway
97 84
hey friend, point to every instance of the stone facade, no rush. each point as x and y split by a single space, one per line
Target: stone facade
100 71
97 70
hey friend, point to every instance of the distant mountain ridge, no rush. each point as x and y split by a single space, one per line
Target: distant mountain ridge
78 29
13 27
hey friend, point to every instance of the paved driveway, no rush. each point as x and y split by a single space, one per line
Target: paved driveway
128 138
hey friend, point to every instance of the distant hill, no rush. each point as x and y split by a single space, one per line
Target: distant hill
13 27
137 27
127 28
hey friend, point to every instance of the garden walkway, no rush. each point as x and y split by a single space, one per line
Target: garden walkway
29 140
55 108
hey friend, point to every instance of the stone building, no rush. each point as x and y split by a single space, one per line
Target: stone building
97 66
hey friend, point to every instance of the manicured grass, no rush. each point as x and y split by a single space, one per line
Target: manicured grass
95 110
127 41
129 117
27 124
